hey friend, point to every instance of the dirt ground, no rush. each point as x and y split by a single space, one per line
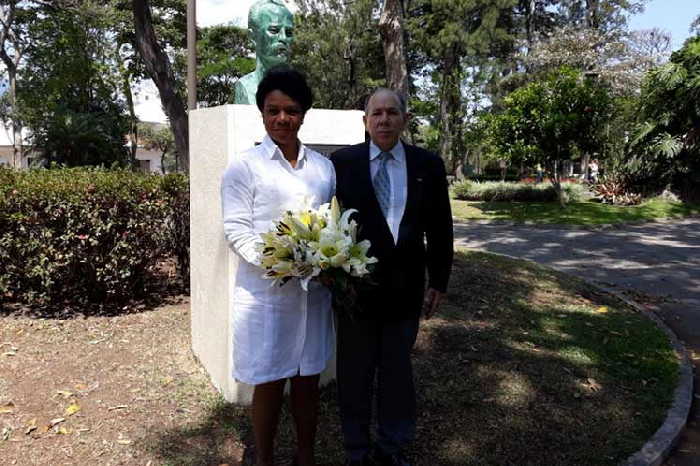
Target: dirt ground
523 366
93 390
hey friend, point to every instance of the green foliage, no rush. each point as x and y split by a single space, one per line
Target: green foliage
605 15
170 25
88 235
665 147
451 44
224 54
158 137
338 47
67 89
490 191
550 120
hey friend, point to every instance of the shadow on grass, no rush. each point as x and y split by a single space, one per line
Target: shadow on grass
579 213
524 367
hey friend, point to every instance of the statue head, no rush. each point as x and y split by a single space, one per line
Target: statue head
271 25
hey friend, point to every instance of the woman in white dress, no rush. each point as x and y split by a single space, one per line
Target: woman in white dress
279 332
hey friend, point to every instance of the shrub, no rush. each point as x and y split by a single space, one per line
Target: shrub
510 176
515 192
85 234
615 189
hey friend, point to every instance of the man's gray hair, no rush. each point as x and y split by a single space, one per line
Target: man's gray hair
399 98
257 7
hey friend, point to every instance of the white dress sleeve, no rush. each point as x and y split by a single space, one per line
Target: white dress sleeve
237 196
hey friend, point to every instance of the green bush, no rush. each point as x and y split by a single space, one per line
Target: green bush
515 192
87 235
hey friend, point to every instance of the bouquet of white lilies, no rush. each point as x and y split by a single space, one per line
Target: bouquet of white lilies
318 244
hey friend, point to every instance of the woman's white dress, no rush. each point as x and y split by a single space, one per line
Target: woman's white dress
277 332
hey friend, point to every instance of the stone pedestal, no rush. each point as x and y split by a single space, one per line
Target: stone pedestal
216 136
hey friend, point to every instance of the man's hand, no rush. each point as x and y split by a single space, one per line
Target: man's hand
431 301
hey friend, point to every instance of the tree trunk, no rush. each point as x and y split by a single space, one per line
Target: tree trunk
593 14
584 166
159 69
449 106
12 64
530 6
133 123
17 141
392 32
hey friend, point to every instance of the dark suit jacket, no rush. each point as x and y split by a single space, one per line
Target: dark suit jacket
425 234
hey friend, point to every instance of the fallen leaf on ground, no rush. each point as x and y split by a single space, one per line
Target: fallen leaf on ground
63 431
31 426
7 408
602 310
112 408
58 420
73 408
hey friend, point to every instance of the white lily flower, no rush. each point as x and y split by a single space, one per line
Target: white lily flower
307 243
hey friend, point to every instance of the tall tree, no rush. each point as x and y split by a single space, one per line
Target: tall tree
455 36
551 120
158 67
391 27
338 46
695 26
68 89
666 144
169 24
12 46
620 59
534 20
603 15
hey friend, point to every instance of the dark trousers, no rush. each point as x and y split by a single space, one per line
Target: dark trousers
366 348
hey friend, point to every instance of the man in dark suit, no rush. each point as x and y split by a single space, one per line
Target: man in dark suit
400 192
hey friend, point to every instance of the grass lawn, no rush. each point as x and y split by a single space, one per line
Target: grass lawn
579 213
523 366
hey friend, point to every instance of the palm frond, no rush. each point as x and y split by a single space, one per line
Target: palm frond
642 131
667 145
669 76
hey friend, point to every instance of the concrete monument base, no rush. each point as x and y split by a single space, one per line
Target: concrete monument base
216 135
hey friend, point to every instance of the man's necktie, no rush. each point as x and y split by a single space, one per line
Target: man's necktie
382 184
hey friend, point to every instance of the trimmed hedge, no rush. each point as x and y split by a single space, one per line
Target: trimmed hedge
515 192
77 235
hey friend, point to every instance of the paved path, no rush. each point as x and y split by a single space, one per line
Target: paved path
659 259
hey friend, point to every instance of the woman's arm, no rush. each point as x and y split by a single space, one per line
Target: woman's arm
237 194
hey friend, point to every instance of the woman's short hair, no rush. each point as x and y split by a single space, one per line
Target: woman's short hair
287 80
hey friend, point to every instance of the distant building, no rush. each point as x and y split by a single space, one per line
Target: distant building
147 107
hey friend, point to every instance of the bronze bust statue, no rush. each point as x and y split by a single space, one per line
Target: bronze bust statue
271 25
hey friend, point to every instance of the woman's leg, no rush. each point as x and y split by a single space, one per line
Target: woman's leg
267 402
304 406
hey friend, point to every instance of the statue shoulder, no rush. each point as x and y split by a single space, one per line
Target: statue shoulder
244 90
